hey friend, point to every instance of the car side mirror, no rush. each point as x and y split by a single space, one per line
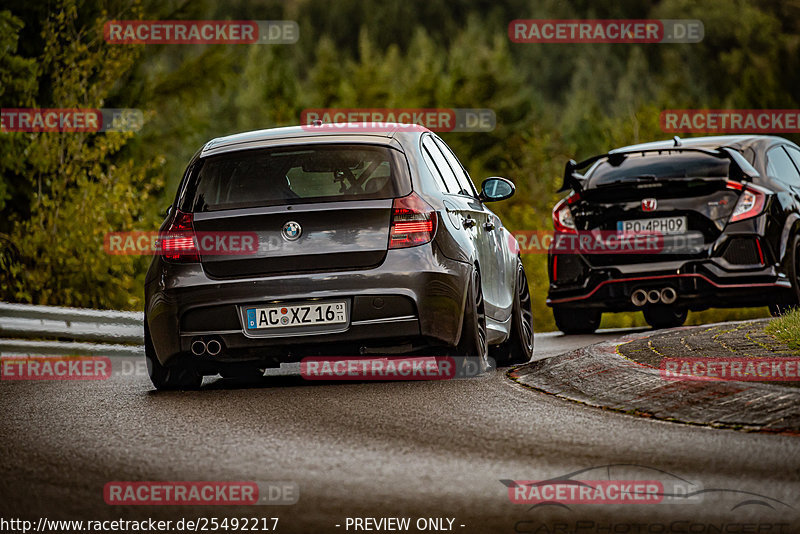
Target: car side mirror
496 188
167 211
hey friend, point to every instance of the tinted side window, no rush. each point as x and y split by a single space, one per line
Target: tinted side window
780 166
434 171
184 191
465 184
441 164
794 154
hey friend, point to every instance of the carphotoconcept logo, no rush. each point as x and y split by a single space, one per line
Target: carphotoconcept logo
730 121
624 485
200 493
201 32
399 119
734 369
606 31
70 120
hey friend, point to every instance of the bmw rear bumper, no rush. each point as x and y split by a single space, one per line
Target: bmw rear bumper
413 299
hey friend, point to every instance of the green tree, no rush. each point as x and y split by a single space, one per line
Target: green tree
79 190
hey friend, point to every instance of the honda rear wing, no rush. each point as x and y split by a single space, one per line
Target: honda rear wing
575 181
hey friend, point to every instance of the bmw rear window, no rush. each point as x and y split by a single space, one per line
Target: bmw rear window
643 167
295 175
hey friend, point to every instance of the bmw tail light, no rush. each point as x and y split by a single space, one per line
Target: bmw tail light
178 242
562 215
413 222
751 203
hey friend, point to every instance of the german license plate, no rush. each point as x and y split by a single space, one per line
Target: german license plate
307 314
661 225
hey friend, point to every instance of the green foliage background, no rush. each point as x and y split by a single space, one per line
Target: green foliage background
60 193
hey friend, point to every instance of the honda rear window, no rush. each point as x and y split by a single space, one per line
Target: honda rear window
639 167
295 175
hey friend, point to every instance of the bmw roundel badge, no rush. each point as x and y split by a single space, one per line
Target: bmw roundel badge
291 231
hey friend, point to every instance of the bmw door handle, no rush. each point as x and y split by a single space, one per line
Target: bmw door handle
468 222
488 226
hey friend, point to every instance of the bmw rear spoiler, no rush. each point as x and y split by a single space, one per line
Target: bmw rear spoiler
574 180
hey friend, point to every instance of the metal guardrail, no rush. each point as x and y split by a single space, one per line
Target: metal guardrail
24 347
42 330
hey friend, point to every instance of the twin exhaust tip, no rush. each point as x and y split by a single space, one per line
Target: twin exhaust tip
211 347
640 297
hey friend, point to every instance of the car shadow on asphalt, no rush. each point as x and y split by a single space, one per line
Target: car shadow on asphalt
288 381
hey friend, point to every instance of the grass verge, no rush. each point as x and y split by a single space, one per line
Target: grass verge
786 328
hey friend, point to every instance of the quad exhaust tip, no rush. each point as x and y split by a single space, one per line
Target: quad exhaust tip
654 296
639 298
667 295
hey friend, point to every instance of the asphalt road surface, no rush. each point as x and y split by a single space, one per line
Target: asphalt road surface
376 450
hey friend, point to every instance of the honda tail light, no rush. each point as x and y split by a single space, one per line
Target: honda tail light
751 203
562 215
413 222
178 242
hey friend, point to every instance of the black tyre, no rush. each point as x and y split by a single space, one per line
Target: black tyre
181 375
665 316
518 348
473 328
576 320
777 310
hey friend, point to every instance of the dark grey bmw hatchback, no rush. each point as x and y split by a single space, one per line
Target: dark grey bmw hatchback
362 242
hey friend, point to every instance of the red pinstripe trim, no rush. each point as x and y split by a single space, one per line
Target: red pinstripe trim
688 275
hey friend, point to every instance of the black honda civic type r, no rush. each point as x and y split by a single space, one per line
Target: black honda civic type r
363 242
722 212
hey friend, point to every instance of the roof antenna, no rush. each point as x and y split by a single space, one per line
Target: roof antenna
676 140
317 122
